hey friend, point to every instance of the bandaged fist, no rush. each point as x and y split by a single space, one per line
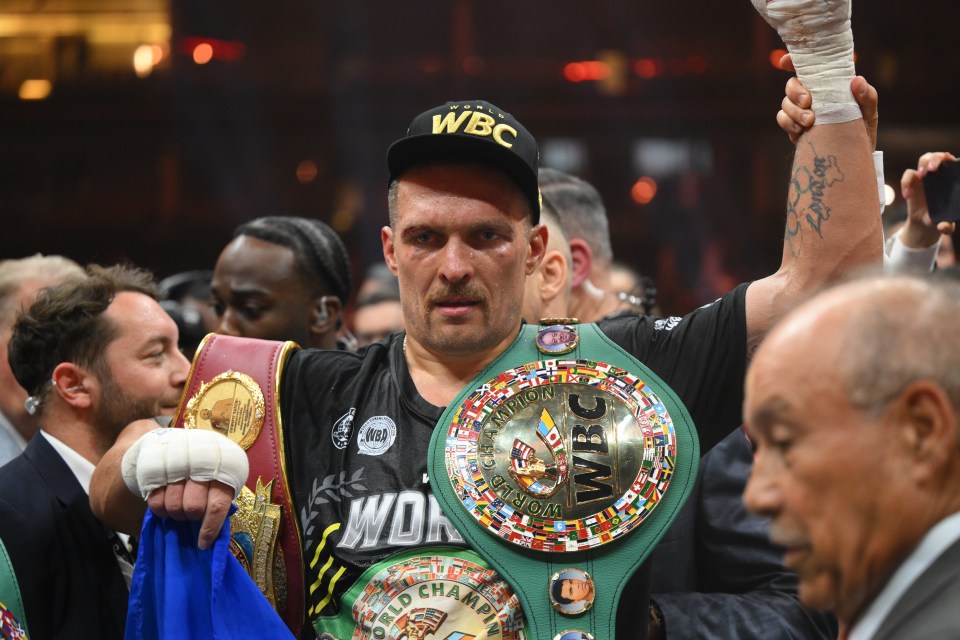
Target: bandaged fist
165 456
818 36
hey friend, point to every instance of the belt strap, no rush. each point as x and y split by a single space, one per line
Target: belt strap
596 545
13 617
234 387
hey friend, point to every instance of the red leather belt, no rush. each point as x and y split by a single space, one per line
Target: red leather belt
234 388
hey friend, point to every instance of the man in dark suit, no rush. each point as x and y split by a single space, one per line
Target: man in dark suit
93 355
853 403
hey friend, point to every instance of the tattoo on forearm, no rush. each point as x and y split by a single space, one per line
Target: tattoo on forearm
805 200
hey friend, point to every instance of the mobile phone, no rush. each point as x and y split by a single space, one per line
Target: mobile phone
942 188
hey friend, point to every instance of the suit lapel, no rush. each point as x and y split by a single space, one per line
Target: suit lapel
935 579
95 556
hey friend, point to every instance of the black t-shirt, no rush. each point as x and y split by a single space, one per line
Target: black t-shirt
357 434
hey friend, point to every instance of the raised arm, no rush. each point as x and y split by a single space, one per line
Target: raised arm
832 226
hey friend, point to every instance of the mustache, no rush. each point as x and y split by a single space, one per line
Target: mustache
458 290
783 537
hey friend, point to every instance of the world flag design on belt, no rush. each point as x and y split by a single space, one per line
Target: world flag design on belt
10 627
607 448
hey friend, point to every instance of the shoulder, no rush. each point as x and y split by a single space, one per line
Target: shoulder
27 512
928 608
314 374
17 477
335 363
725 315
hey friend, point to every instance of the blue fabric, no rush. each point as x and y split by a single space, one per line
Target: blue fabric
180 591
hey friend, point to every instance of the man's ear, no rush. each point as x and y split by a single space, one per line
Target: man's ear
582 258
73 384
554 275
389 249
325 313
927 426
538 247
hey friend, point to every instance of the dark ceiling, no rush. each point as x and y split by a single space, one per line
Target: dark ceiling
295 110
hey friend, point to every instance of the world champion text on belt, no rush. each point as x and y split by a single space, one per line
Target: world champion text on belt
561 455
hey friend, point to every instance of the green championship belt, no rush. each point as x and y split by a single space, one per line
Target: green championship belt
554 464
13 621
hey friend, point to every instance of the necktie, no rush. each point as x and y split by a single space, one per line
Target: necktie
125 558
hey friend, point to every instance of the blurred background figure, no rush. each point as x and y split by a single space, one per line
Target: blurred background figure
376 316
583 216
282 278
911 223
186 298
378 279
20 280
377 312
634 289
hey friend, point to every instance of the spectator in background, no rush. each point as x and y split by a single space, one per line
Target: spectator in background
580 210
377 312
546 293
635 289
919 239
282 278
376 316
20 279
378 279
94 353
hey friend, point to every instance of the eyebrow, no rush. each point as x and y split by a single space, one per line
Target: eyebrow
768 413
156 340
250 293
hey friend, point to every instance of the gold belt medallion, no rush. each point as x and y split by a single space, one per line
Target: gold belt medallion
231 403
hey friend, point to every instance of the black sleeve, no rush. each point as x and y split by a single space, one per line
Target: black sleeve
701 356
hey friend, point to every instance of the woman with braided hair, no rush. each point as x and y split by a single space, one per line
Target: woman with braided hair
282 278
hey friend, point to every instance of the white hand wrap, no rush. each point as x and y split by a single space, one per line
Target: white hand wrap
820 41
165 456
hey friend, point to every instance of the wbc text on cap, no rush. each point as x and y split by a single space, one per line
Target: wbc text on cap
479 124
471 131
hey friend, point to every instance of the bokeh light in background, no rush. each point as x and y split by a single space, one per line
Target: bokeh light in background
644 190
203 53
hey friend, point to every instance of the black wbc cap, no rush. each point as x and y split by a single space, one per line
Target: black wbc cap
472 131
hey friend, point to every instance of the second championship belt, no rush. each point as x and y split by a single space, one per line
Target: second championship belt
563 464
234 388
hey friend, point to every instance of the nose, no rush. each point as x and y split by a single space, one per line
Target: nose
227 326
456 261
181 367
763 495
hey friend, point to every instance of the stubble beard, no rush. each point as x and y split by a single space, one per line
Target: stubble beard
118 408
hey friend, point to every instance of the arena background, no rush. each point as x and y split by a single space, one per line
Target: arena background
241 108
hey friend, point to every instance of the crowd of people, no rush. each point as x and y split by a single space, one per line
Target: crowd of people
825 401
